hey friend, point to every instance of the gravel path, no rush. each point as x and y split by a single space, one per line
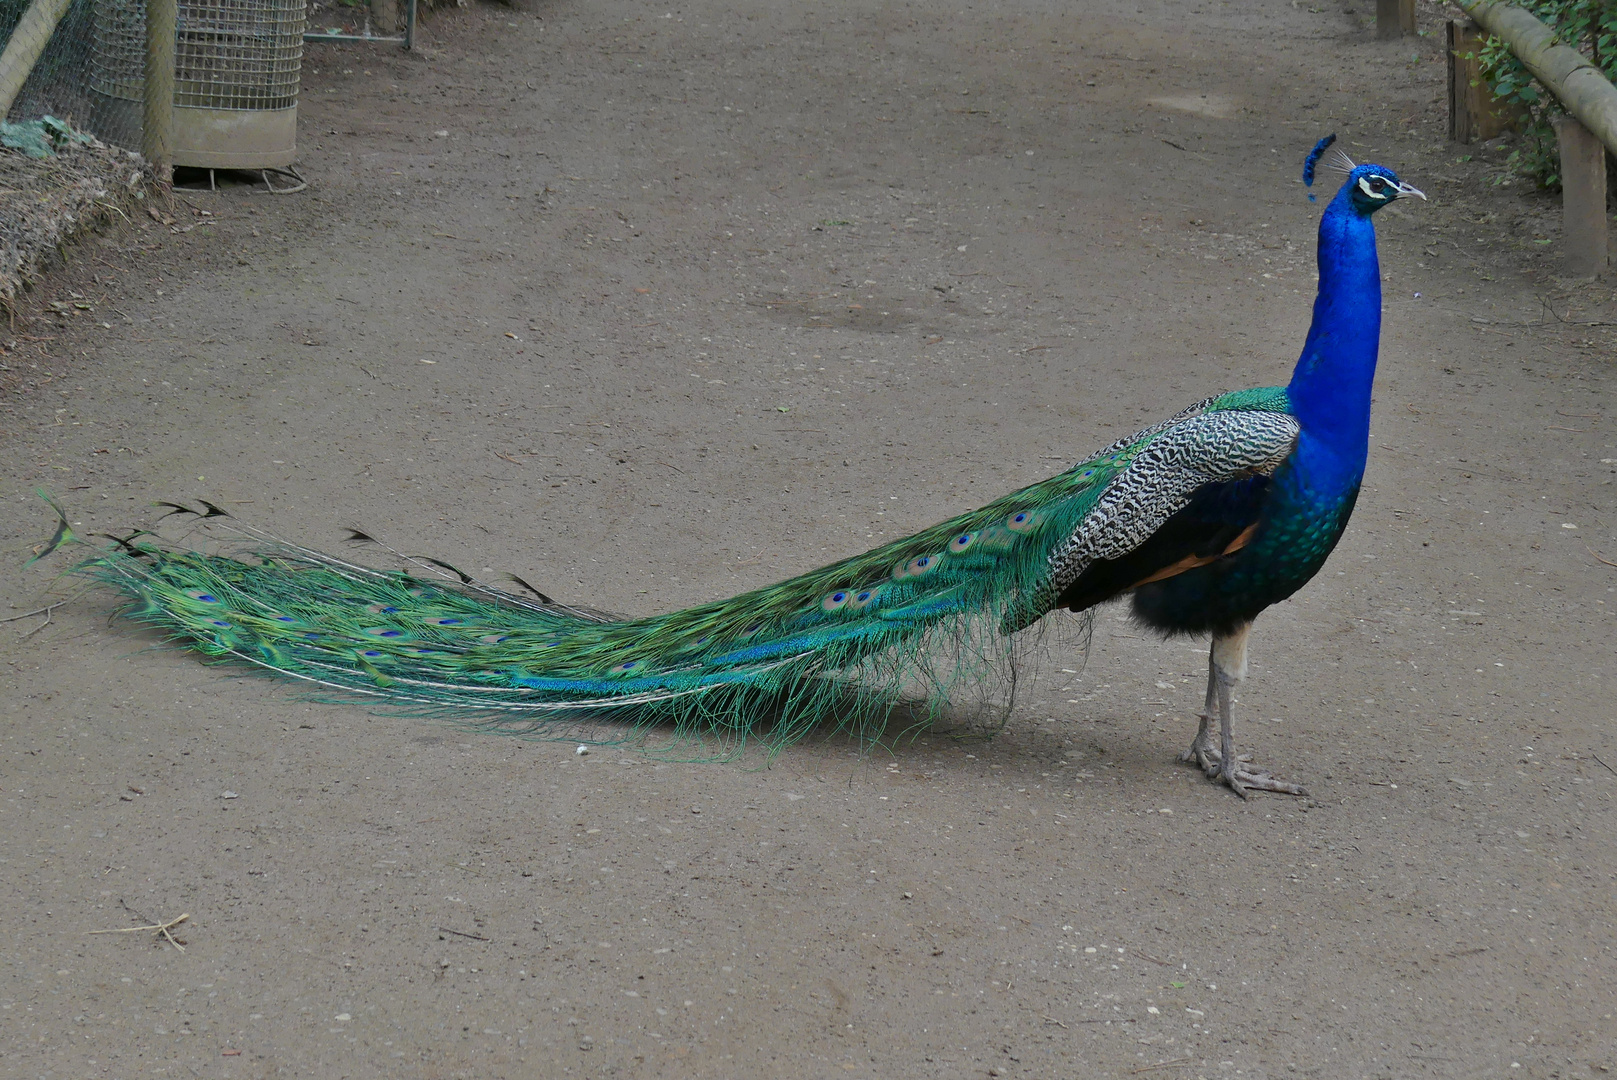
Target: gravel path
650 305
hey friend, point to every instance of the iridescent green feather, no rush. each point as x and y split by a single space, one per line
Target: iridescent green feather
912 619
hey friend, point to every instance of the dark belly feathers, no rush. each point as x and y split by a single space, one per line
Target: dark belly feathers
1237 548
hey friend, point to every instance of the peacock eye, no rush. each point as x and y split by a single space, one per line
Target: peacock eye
1378 184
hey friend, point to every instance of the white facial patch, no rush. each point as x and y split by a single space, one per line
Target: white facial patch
1364 186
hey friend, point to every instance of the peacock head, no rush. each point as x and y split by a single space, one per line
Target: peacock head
1368 187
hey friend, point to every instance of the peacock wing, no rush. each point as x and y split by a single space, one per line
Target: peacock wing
1189 495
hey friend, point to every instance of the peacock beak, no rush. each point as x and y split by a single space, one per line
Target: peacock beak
1409 191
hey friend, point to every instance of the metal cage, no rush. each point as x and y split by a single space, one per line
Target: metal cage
236 70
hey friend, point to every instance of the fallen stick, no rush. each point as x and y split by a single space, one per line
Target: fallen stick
161 928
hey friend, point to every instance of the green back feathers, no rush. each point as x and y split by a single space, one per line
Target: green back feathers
1259 399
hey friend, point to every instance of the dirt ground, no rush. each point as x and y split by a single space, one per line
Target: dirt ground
651 305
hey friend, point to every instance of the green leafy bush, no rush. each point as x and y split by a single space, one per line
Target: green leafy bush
1590 26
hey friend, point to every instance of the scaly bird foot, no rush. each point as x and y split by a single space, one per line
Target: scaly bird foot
1240 778
1202 745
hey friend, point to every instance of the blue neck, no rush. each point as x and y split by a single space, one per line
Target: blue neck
1330 387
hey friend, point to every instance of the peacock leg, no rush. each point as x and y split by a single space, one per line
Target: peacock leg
1227 666
1201 749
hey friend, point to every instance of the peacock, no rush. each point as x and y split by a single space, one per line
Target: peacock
1203 520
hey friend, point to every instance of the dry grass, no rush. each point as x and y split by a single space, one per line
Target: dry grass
47 203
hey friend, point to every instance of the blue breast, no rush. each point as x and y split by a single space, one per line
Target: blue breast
1307 504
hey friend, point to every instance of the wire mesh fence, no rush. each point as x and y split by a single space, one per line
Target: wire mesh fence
242 55
60 83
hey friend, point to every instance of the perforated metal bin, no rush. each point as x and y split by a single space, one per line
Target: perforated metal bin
236 69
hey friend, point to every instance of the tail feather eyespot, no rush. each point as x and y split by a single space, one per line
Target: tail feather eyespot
962 543
863 598
921 564
1021 521
833 601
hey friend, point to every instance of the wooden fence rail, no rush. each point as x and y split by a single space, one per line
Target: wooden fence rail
1592 102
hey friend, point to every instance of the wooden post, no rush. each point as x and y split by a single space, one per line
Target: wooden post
1394 18
1568 73
1583 198
23 48
157 131
385 16
1475 115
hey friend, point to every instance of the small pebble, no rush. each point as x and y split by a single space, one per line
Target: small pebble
582 751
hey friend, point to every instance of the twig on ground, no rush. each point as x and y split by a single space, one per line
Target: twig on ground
460 933
37 611
46 611
162 928
1608 768
1586 547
